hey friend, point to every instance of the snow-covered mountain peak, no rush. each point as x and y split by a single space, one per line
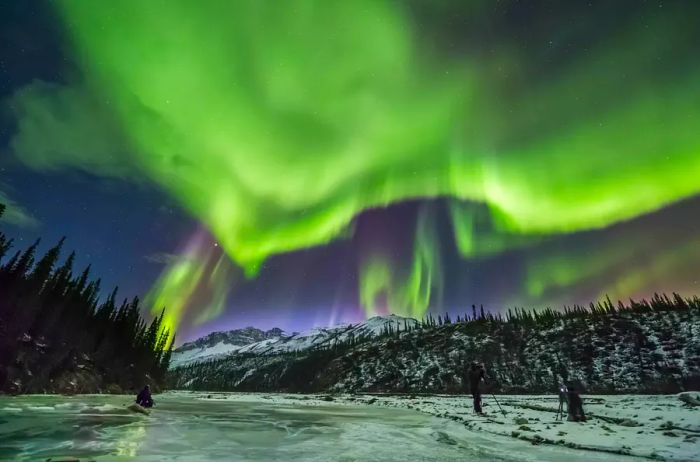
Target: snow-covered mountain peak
252 340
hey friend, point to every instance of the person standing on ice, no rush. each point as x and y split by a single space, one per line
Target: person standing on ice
476 377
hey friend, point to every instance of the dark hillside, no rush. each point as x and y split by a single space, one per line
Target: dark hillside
642 347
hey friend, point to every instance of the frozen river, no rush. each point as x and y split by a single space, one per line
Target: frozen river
186 427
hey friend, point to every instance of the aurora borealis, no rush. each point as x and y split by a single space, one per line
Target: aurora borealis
436 154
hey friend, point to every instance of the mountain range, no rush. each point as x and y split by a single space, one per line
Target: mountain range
251 340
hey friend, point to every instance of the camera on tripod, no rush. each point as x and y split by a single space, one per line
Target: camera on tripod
563 398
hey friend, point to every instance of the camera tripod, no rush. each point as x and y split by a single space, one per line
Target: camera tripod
560 411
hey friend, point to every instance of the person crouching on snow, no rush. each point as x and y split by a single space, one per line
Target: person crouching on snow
144 398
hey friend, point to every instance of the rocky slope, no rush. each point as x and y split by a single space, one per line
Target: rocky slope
645 348
275 341
219 344
41 367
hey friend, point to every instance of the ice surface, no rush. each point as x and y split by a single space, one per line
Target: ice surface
249 427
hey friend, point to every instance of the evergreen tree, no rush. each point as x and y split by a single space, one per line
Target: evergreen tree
58 284
78 284
45 265
165 362
60 317
11 263
5 244
25 261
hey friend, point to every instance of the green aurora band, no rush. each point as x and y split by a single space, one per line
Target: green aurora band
276 123
199 275
405 294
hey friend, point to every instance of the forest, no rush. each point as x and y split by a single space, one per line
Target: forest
58 334
639 346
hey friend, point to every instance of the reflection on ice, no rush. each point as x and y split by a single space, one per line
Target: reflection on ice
183 427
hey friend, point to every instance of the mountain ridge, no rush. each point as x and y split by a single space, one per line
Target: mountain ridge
220 344
643 347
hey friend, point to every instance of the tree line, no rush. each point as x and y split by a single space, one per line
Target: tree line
57 335
547 317
481 320
639 346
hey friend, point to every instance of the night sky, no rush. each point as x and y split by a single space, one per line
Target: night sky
305 163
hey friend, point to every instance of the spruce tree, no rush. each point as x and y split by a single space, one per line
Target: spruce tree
7 267
25 261
45 265
80 282
59 312
58 284
5 243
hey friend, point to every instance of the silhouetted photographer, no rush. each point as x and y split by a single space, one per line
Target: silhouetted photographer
575 406
476 377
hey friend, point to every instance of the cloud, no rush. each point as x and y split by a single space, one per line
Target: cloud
162 258
16 215
61 127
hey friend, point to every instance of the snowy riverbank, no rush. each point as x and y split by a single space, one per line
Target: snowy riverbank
656 427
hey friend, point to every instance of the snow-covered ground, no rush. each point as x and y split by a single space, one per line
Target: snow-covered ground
656 427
